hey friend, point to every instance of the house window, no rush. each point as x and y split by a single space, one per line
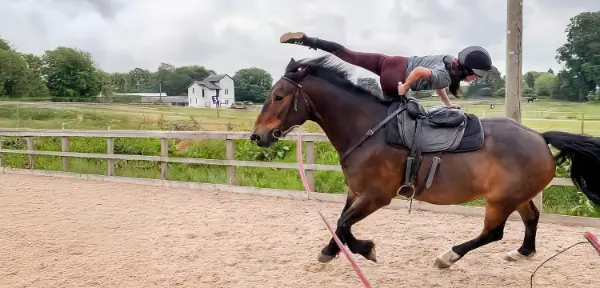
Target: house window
196 100
226 92
193 90
226 100
202 93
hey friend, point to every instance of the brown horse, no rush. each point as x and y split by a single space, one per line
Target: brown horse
506 163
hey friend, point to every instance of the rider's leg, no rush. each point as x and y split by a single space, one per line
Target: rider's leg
368 61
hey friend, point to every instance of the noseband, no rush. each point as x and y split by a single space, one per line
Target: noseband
298 92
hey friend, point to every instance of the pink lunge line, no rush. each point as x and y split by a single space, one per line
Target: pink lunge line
362 276
593 240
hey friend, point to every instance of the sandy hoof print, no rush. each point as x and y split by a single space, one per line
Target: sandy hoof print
516 256
446 259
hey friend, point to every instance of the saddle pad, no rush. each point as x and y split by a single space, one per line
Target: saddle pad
473 136
431 137
471 140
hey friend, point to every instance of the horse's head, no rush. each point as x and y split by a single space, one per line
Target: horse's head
285 107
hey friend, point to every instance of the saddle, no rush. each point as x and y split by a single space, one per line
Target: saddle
437 130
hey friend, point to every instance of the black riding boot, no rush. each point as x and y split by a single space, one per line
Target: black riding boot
300 38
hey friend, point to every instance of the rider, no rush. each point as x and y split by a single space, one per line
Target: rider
398 74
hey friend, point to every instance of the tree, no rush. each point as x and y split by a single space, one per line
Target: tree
544 84
16 79
370 84
107 88
195 72
530 77
4 45
175 80
252 84
141 80
13 74
487 86
579 56
71 73
34 63
551 71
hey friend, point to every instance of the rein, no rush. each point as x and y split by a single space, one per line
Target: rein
367 135
371 132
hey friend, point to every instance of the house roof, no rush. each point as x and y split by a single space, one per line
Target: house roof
211 81
215 78
209 85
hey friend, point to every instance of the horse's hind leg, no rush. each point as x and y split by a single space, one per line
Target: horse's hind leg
496 215
530 216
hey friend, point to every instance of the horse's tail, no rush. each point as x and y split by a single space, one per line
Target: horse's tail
584 153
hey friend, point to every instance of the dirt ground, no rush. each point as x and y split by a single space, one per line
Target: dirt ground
74 233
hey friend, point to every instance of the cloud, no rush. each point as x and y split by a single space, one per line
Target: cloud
227 35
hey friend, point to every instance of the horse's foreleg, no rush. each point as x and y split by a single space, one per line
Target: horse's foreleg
496 215
364 205
332 249
530 216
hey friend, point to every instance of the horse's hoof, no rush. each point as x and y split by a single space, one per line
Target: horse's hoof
516 256
372 255
325 258
446 259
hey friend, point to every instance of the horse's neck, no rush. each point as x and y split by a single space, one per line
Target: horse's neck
345 118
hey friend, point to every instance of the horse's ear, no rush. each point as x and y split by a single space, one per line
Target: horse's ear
291 65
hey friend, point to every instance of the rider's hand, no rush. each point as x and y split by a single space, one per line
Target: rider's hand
452 105
402 89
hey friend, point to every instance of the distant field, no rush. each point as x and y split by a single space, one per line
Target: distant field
541 116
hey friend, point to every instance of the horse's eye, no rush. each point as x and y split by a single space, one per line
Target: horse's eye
278 98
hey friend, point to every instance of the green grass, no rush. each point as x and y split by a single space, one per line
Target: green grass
48 115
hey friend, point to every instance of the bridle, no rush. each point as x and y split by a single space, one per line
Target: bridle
300 92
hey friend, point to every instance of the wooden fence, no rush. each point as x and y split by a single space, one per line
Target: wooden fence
308 139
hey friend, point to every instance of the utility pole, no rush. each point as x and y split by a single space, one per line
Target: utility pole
159 88
514 59
514 67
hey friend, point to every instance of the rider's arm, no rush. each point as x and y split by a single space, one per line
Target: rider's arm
417 74
444 96
437 76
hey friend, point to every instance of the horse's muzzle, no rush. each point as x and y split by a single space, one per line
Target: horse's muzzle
266 140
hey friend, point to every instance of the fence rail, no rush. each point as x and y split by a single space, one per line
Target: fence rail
164 159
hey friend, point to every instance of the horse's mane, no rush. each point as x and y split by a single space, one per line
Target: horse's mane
336 72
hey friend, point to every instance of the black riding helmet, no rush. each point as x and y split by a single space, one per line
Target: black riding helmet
476 59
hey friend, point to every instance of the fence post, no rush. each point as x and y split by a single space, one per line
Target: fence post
31 161
164 152
310 159
110 150
64 147
230 155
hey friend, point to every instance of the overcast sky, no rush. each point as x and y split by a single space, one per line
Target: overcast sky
227 35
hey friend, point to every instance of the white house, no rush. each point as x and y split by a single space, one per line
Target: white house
212 90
